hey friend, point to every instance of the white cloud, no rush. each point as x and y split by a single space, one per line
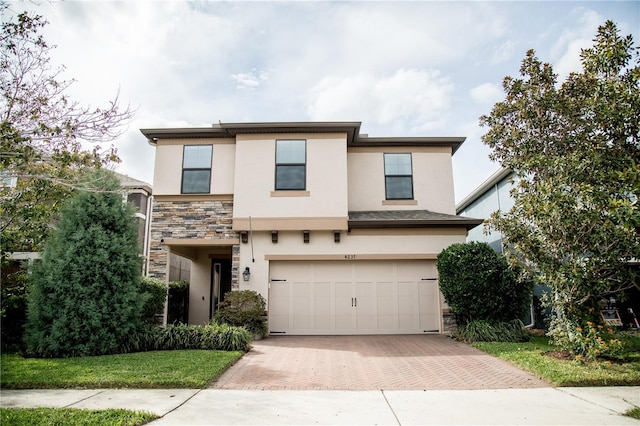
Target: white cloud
401 68
250 80
409 100
487 93
566 50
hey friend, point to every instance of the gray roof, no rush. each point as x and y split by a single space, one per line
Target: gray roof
492 180
409 219
352 128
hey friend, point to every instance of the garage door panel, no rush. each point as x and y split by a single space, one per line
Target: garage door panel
428 294
360 297
279 306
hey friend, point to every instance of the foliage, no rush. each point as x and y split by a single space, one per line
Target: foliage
188 337
633 413
13 299
142 370
42 131
575 148
73 417
590 341
178 309
244 308
84 299
154 293
492 331
225 337
477 284
533 356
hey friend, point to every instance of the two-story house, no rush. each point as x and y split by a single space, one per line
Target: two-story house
337 230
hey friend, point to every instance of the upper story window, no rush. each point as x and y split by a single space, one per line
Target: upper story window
196 169
291 164
398 176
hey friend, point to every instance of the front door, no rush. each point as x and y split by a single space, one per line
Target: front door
220 283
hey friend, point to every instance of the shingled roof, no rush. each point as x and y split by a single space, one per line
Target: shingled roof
409 219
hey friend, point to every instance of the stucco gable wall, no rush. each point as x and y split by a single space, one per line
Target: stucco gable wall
432 179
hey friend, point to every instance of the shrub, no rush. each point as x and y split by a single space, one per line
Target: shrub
84 299
478 284
178 309
13 311
244 308
145 338
588 342
492 331
154 293
225 337
212 336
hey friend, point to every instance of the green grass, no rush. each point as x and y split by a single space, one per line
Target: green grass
72 417
634 412
146 370
529 356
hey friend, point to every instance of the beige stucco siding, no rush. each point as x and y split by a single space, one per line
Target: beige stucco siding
356 246
432 179
325 195
168 165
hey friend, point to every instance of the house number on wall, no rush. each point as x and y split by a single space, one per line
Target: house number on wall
349 256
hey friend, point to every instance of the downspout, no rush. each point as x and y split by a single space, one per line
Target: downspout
147 235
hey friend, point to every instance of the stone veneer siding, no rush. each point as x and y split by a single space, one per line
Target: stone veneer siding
186 220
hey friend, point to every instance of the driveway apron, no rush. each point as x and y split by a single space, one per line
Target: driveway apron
389 362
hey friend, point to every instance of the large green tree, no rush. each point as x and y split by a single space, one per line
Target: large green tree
84 298
575 149
43 133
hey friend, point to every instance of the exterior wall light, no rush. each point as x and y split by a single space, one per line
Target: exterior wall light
246 274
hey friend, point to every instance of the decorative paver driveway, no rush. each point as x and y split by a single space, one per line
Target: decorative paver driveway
405 362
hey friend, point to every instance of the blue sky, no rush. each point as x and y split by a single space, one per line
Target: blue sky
419 68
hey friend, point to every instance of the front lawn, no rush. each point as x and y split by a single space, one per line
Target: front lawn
531 357
161 369
72 417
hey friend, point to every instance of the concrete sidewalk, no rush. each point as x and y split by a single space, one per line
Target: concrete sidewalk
539 406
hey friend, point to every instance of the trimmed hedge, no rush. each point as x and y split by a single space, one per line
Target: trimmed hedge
154 293
178 311
244 308
478 284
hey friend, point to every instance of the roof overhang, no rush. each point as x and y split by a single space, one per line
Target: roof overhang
491 181
351 128
409 219
229 130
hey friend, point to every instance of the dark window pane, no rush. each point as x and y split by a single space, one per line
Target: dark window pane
290 177
399 188
196 181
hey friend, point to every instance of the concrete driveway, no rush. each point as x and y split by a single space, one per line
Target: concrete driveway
404 362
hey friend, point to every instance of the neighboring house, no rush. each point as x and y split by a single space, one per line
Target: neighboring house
137 192
338 231
492 195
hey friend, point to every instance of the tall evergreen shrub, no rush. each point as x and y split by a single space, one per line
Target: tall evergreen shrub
478 284
85 297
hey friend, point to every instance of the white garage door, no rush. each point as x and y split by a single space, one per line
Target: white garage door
353 297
